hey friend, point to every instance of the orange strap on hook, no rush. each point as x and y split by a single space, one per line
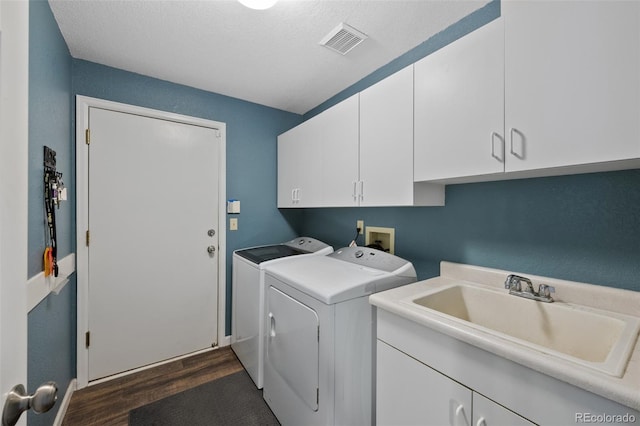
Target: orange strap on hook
48 261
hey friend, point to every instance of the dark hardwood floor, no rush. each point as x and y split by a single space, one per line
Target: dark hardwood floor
109 403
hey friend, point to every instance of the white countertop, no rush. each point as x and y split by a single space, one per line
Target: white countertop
624 390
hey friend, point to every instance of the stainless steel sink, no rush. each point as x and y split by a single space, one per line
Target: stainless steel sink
596 339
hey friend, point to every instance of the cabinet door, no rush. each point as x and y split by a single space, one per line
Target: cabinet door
386 141
488 413
288 167
572 85
459 107
309 168
337 136
299 167
410 393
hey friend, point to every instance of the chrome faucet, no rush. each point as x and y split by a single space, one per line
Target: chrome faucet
514 284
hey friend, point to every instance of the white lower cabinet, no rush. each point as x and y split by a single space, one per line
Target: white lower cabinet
426 377
488 413
409 392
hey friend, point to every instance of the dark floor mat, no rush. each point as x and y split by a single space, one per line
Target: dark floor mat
231 400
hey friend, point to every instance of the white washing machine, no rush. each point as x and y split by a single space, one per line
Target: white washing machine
320 337
248 302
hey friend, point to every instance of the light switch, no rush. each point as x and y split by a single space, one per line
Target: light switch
233 224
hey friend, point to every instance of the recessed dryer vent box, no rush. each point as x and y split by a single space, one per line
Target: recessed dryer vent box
382 236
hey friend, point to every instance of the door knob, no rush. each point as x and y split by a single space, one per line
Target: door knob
211 249
18 401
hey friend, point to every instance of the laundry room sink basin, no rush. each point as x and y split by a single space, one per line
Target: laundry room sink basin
596 339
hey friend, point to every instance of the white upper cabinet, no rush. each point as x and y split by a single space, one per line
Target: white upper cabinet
551 87
287 167
386 141
459 107
336 132
299 167
356 153
318 160
386 147
572 82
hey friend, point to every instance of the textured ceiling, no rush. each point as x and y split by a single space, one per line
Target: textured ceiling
270 57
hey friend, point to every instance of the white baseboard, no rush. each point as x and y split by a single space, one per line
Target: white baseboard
64 405
39 287
225 341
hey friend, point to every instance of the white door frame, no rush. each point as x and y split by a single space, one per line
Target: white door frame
83 103
14 155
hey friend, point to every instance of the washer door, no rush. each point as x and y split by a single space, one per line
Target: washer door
292 345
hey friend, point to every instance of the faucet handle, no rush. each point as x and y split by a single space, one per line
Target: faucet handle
511 282
546 290
514 282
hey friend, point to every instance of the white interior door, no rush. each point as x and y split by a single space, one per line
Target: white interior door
153 203
14 51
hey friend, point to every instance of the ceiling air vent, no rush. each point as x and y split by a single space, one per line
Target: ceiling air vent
343 38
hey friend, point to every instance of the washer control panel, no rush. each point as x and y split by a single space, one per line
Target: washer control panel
370 257
307 244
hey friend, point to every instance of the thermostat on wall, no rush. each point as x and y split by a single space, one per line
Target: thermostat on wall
233 206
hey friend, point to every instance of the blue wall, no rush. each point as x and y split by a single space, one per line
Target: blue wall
580 227
583 227
252 132
49 124
51 324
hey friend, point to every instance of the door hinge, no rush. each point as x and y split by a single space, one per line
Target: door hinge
87 136
88 237
87 339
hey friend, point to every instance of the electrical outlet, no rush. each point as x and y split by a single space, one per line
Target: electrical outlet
233 224
360 224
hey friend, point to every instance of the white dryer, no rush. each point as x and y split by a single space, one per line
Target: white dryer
319 364
247 299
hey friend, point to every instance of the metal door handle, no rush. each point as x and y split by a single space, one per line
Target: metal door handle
500 157
18 402
520 154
